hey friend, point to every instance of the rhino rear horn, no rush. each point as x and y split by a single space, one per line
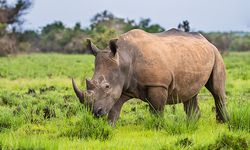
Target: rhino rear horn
90 84
79 94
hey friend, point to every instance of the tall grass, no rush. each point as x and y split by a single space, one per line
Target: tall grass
8 120
87 127
171 123
229 141
239 115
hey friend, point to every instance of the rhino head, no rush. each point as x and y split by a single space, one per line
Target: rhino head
106 85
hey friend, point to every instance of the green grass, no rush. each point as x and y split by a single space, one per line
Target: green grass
38 110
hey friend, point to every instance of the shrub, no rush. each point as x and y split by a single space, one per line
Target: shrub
7 45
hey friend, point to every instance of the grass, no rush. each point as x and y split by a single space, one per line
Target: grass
240 116
38 110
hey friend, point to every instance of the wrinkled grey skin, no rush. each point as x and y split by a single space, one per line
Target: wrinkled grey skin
163 68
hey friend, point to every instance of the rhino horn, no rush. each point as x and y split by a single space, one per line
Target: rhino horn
79 94
90 84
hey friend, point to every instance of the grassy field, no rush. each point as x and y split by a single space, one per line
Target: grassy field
38 110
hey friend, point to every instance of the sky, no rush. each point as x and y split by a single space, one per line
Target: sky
205 15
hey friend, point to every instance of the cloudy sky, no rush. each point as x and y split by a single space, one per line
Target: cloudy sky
206 15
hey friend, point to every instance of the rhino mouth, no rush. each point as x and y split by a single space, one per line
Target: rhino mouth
99 112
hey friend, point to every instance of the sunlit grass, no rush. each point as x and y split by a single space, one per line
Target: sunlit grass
38 110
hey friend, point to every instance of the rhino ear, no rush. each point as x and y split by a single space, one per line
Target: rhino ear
92 47
113 46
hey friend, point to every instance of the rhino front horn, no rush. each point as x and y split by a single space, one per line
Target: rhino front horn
79 94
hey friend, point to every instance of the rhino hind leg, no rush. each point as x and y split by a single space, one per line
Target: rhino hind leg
192 109
216 85
156 98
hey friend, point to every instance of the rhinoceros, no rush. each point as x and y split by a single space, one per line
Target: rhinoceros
158 68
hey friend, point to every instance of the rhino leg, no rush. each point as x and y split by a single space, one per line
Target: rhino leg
191 108
219 99
216 85
114 113
157 97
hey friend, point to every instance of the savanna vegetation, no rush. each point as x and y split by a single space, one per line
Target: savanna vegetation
38 110
56 37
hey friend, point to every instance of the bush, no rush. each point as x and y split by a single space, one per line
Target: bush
7 45
101 36
241 43
24 46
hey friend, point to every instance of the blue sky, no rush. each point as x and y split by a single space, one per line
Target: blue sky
206 15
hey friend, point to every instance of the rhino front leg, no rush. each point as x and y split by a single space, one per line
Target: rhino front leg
157 97
114 113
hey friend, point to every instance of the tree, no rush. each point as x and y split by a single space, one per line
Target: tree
145 25
77 26
108 20
12 14
103 16
184 26
55 26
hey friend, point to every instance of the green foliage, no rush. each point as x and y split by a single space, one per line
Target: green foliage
145 25
88 127
240 116
234 41
241 43
56 37
171 123
8 119
35 66
101 36
53 27
228 141
184 142
5 119
2 28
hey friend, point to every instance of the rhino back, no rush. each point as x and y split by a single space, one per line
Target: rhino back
185 60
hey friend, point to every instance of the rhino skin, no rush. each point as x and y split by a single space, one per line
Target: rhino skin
159 68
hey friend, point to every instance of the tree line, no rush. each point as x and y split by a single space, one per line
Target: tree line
56 37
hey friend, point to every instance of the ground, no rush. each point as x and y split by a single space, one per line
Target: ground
38 110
